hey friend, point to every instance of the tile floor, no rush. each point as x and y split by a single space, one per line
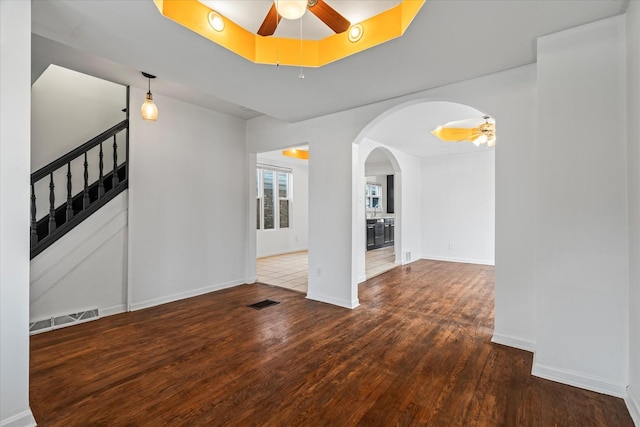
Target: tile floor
290 270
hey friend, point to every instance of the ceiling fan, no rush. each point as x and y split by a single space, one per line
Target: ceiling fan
294 9
469 130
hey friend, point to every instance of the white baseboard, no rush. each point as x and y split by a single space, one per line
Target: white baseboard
23 419
362 279
182 295
462 260
633 405
333 301
578 379
253 279
513 342
114 309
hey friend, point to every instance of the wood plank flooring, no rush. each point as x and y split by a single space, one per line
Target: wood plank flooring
416 352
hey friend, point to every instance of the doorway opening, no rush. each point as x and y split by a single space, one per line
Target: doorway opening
379 205
282 217
444 192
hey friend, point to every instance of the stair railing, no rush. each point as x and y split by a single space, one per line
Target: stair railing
62 219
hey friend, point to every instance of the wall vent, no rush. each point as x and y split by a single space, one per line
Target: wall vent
407 257
62 321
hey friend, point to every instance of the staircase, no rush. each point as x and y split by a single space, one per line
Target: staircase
95 193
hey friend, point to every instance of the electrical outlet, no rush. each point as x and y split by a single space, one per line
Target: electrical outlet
450 245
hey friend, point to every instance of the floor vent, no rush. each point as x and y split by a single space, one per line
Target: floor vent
62 321
263 304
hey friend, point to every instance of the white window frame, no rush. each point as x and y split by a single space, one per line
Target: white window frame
369 197
276 193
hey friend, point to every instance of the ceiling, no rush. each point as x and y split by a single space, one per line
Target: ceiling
409 129
448 41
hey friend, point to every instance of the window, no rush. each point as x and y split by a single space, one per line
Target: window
373 195
273 198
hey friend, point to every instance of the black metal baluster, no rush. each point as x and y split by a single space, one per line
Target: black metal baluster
34 225
52 205
115 177
69 198
86 201
101 176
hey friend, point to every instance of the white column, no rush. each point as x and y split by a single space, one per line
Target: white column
330 221
581 247
15 105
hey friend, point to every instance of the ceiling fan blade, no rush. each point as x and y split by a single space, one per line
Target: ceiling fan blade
270 22
329 16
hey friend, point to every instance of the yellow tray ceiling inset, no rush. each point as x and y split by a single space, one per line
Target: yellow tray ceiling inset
376 30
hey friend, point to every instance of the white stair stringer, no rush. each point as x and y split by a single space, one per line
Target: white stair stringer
86 268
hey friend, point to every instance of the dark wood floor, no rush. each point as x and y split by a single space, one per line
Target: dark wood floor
416 352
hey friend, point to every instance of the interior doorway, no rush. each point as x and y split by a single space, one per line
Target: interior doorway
282 218
379 205
438 183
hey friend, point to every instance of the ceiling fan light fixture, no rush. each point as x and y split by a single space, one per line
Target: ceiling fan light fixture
296 153
468 131
488 131
291 9
216 21
355 33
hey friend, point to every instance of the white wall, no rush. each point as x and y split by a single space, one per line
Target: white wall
85 268
581 224
458 207
330 268
633 164
15 86
294 238
188 210
69 108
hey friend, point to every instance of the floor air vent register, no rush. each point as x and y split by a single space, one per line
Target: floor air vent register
263 304
61 321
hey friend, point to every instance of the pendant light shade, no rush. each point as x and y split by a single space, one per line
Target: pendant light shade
149 110
291 9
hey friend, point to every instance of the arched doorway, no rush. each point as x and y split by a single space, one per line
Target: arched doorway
438 181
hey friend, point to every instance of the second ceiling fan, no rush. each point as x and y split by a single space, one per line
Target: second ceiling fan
319 8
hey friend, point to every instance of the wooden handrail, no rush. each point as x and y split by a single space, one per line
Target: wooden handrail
76 152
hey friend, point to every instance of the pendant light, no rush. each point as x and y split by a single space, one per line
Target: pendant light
149 110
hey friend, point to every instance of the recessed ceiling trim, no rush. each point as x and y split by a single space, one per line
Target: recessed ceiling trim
378 29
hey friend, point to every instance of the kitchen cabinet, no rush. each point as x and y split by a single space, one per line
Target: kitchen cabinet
380 232
371 242
389 231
